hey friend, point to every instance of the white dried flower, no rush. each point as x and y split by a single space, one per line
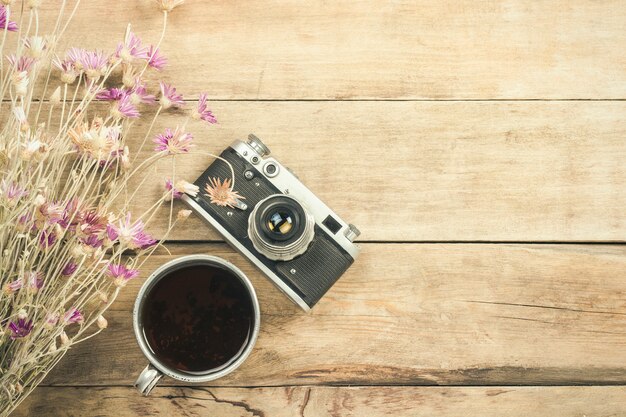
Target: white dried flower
129 76
102 322
183 186
19 80
103 297
36 46
21 314
183 215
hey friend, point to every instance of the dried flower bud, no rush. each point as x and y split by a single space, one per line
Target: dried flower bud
102 322
19 388
167 6
183 215
39 200
125 158
6 2
103 297
55 98
20 82
33 4
53 347
65 340
22 314
128 75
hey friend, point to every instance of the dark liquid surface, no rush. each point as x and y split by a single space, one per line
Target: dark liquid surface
198 318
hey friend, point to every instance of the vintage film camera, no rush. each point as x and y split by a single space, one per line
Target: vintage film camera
282 227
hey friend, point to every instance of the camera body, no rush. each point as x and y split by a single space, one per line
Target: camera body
297 241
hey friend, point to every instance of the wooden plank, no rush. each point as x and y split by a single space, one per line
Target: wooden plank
331 402
453 49
468 171
416 314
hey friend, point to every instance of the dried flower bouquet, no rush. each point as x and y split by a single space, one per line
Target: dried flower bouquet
68 243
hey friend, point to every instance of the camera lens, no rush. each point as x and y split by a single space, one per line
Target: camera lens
280 227
280 223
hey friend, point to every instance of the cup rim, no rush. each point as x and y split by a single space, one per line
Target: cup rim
153 278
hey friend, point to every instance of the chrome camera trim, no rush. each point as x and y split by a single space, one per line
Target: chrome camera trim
290 185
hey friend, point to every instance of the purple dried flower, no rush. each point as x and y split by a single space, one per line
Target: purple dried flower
173 142
139 94
92 241
130 234
155 59
6 24
11 192
73 316
111 94
14 286
172 193
202 112
34 280
69 268
131 48
21 64
21 328
169 96
47 239
120 274
124 108
94 63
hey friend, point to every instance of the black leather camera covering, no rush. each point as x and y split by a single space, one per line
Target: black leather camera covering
316 270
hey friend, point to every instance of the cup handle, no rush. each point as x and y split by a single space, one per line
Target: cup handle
148 378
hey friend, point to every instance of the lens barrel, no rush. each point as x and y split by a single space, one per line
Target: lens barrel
280 227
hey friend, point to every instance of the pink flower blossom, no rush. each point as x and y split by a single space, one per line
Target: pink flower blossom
92 241
91 222
155 59
131 235
69 268
6 24
34 280
124 108
21 64
67 68
111 94
173 142
21 328
11 192
202 111
73 316
139 94
14 286
120 274
171 192
94 63
51 320
47 239
52 212
169 96
75 57
131 48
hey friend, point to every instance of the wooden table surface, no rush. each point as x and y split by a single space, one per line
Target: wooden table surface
479 146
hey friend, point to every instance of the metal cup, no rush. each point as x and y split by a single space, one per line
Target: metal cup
156 369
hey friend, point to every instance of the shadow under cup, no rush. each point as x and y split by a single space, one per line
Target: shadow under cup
196 319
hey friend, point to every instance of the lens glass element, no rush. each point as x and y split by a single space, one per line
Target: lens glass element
280 222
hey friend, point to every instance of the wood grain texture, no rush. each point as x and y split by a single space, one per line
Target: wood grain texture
402 49
330 402
416 314
461 171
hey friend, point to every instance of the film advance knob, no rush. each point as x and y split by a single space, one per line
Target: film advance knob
258 146
352 232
